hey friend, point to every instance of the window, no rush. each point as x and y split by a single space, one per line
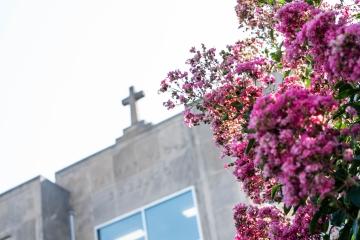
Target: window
129 228
174 217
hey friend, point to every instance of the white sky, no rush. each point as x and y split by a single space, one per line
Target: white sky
65 66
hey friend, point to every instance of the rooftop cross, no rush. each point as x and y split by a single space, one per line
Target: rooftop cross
131 100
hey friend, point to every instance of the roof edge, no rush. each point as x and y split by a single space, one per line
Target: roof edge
39 177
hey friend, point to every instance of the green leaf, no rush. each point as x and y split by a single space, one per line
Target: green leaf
341 109
354 165
339 112
338 218
355 230
345 90
237 105
250 145
324 210
274 190
345 231
277 55
340 174
225 117
287 73
357 15
249 130
355 105
266 51
287 209
314 2
272 34
354 195
315 221
262 1
325 226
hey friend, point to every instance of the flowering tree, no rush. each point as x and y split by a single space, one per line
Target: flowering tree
284 103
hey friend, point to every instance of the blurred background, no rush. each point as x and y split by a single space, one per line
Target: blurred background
66 65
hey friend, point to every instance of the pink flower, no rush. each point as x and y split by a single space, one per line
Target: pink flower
348 154
344 56
192 119
294 142
254 223
169 104
292 17
351 111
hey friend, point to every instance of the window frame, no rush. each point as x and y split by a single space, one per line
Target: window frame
142 209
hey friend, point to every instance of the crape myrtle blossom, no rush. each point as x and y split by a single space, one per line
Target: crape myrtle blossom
218 92
295 143
253 223
255 19
318 32
268 222
298 227
228 107
327 36
254 184
344 55
293 82
224 99
353 131
291 18
348 154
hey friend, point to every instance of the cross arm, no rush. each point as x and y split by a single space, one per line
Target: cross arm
126 101
139 95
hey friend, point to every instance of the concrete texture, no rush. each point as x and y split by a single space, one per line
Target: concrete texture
149 165
35 210
143 166
54 211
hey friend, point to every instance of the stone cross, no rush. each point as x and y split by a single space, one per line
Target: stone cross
131 100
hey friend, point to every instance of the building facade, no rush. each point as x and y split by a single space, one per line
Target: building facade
157 182
36 209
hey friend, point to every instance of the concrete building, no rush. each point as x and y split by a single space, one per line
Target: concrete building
156 180
36 209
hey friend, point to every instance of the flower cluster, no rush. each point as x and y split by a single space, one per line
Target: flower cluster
291 19
295 142
298 228
254 184
253 223
326 36
218 92
229 108
344 55
255 18
268 222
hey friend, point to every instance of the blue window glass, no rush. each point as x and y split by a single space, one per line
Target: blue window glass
174 219
130 228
